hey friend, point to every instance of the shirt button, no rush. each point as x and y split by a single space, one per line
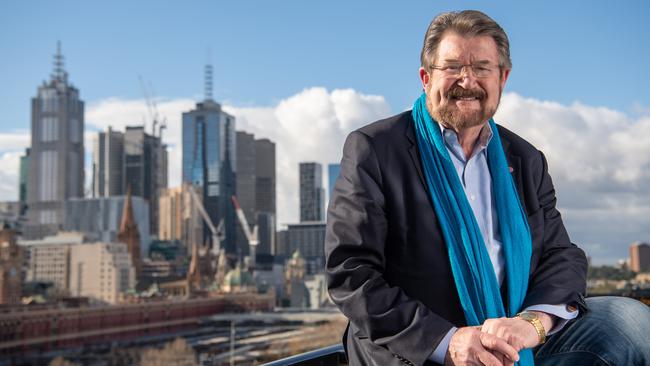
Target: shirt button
472 197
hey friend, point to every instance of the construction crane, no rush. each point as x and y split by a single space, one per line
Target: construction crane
216 232
250 236
218 236
152 109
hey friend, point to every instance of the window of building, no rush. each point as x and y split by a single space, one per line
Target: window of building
48 175
49 128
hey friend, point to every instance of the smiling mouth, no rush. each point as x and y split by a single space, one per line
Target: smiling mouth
466 95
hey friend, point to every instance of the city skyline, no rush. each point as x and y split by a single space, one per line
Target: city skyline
559 95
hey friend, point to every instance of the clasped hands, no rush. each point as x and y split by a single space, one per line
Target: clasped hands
496 343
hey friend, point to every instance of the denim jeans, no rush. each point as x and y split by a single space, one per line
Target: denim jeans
615 331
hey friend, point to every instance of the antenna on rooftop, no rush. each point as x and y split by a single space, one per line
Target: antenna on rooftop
208 82
59 71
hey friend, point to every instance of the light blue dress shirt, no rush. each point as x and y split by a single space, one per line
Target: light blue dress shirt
474 175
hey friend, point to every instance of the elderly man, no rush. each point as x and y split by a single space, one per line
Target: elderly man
443 241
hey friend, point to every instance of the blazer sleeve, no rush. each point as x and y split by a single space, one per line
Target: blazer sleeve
559 275
355 262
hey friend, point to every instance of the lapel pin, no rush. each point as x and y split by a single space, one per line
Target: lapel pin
511 170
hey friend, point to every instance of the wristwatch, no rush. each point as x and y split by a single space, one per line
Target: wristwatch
534 320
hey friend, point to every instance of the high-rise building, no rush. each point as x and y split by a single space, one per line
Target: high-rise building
22 182
245 185
312 194
11 260
333 171
209 162
308 238
133 159
101 271
174 205
640 257
108 164
265 175
256 190
77 266
99 219
56 167
180 219
49 258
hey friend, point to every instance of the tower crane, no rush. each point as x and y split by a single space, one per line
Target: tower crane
217 238
251 237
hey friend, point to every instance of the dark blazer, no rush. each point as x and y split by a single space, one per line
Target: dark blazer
387 265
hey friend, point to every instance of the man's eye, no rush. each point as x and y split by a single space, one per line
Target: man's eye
454 68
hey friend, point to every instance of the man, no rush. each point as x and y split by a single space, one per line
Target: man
443 243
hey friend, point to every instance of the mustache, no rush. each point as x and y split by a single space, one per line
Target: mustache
459 92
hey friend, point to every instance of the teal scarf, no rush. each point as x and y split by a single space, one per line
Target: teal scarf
471 266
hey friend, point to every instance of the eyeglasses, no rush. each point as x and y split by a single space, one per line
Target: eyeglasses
455 70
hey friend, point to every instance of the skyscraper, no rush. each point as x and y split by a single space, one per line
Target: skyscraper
56 169
640 257
22 182
108 164
333 171
133 159
265 195
312 195
209 161
256 190
245 184
145 168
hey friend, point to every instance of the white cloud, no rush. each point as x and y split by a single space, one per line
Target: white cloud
600 163
12 146
309 126
10 163
14 141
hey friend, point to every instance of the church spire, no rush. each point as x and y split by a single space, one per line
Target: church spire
128 233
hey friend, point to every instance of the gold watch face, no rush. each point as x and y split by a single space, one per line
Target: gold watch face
528 316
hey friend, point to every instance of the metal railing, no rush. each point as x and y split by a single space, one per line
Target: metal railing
328 356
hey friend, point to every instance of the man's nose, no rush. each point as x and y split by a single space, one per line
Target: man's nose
467 79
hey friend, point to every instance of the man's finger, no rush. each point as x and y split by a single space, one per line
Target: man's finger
495 343
486 358
505 360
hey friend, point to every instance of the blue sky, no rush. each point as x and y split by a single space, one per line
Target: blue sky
593 52
305 73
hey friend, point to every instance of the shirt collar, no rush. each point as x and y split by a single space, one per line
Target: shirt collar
451 140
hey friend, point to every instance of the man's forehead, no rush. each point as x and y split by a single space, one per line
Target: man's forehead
453 47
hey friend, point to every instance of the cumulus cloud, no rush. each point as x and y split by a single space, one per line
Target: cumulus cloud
10 161
309 126
600 162
12 146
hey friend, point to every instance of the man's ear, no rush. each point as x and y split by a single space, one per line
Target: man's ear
504 77
424 78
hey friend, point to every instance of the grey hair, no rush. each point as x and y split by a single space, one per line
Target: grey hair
465 23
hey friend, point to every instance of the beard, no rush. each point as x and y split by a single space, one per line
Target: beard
450 115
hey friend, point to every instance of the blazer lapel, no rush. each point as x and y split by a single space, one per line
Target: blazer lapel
514 163
413 150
